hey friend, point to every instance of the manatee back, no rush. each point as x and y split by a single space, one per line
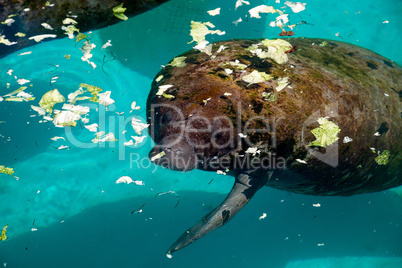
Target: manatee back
356 89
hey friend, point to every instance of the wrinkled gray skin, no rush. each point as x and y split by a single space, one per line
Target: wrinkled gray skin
365 87
179 153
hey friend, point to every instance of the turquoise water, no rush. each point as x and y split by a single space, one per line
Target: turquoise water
82 218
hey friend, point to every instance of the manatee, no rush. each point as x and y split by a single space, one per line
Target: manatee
326 122
29 16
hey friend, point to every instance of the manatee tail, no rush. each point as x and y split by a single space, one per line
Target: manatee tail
244 188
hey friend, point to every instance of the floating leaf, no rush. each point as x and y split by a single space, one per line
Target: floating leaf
200 29
49 99
39 110
93 127
240 3
276 50
104 99
72 97
23 81
101 137
325 134
66 119
157 156
14 99
3 235
138 139
296 7
70 30
80 36
124 179
214 12
15 91
255 12
86 51
134 106
6 170
5 41
94 90
76 108
138 126
39 38
383 158
21 96
128 180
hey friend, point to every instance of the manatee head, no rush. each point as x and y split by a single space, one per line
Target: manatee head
174 152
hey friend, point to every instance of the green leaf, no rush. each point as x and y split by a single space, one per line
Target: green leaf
236 64
276 50
5 41
383 158
79 37
279 44
325 134
118 12
20 34
323 44
200 29
70 29
16 91
6 170
49 99
3 235
94 90
168 96
282 83
65 119
159 78
256 77
178 62
271 97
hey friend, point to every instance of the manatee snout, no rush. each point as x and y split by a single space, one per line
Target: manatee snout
174 152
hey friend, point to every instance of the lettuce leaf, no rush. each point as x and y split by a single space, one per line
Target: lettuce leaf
118 12
49 99
256 77
383 158
6 170
325 134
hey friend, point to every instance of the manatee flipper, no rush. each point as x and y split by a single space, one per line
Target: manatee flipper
244 188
